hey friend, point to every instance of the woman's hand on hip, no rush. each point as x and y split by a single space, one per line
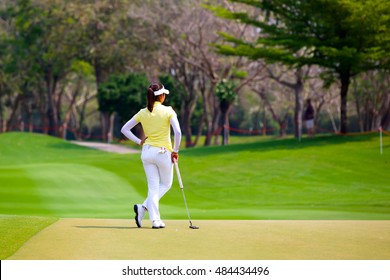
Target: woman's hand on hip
174 157
143 141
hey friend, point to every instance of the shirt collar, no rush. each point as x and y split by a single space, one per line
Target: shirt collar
156 103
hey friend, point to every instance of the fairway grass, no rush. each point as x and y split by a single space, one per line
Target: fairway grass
16 230
330 177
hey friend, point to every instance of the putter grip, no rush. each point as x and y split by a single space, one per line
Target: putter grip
178 174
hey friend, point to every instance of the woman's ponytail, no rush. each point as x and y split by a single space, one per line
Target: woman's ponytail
150 97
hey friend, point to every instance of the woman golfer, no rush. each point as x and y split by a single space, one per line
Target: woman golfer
157 152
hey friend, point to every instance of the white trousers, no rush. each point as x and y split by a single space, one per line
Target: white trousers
310 124
159 174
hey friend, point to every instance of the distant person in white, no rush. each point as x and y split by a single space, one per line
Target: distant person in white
158 154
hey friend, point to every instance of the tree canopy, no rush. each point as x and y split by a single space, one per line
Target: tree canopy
123 94
346 37
55 57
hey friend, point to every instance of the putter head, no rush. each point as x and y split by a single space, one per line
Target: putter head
193 227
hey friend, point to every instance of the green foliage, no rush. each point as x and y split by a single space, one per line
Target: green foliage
39 47
82 67
239 74
346 37
176 90
176 99
126 94
123 94
21 43
341 35
45 35
225 90
45 43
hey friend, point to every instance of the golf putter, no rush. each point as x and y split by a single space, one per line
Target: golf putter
184 197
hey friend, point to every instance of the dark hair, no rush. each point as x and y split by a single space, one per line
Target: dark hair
150 95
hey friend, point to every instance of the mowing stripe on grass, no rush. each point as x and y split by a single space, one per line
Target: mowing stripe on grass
65 190
337 177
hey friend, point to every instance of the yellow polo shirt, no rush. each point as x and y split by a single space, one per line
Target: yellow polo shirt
156 125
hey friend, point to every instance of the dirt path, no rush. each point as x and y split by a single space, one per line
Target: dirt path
102 239
113 148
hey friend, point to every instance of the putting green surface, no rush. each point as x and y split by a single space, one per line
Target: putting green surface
119 239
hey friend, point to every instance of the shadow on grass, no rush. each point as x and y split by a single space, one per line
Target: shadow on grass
283 144
107 227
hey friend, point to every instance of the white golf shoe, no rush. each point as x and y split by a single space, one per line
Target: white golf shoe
139 214
158 224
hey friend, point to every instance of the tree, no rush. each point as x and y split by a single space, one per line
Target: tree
276 101
76 90
226 92
123 95
42 44
174 98
111 44
324 99
185 54
372 98
19 73
186 32
346 37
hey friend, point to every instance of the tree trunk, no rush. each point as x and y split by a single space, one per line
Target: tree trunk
110 136
298 89
385 116
189 104
107 120
264 121
345 80
104 118
27 109
212 115
225 107
30 118
15 107
69 110
282 128
200 129
355 93
217 128
226 129
52 113
42 113
282 121
208 116
81 114
187 126
2 116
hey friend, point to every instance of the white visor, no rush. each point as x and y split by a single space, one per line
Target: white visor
161 91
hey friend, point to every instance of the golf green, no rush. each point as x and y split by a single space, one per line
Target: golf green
116 239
